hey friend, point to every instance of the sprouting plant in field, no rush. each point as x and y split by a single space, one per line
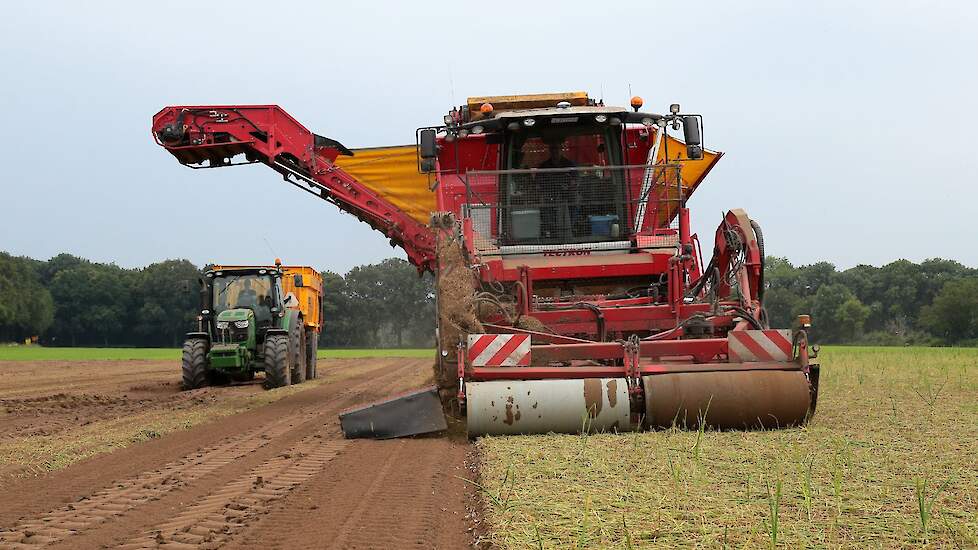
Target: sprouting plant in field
893 409
925 508
501 498
628 534
539 539
582 534
701 420
807 489
928 393
774 512
675 470
585 432
747 499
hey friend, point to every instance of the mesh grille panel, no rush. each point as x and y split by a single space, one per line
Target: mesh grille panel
589 208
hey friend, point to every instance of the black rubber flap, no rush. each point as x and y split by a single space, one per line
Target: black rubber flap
414 413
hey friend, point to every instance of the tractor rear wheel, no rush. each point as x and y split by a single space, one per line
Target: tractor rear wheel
195 363
278 372
312 346
297 349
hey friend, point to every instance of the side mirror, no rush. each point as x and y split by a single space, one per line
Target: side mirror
691 135
297 281
205 295
428 147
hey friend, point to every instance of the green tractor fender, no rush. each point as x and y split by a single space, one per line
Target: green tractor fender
291 318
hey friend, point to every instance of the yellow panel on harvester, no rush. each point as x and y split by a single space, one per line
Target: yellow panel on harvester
392 172
692 173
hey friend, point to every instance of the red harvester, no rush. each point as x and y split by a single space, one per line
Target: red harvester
571 293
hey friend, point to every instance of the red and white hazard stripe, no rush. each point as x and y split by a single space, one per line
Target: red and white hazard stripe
499 350
759 345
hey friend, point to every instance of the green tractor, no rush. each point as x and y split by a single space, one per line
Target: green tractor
251 320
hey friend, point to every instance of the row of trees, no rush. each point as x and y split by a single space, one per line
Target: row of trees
901 303
70 301
379 305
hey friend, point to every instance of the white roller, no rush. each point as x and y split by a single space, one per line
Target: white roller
542 406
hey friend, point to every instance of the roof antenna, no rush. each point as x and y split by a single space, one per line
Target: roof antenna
269 245
451 85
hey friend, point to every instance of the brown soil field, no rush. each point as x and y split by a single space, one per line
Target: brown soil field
109 454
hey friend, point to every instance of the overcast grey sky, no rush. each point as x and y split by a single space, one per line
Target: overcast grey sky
846 126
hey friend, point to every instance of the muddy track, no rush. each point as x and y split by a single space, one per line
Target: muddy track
207 497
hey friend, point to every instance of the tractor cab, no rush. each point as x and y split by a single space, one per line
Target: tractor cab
256 291
242 304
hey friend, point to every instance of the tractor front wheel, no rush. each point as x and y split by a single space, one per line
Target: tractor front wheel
312 346
278 371
195 364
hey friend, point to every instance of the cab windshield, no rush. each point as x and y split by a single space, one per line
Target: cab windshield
562 185
251 291
562 147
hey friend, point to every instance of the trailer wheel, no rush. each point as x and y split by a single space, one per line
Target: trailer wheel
312 346
194 363
277 371
297 349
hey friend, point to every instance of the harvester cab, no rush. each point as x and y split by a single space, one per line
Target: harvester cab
250 320
571 293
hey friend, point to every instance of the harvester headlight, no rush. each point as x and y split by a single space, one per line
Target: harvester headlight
222 325
513 126
601 118
648 122
241 324
478 129
448 120
529 122
463 133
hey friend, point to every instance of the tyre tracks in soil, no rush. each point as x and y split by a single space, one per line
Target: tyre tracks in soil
406 493
205 498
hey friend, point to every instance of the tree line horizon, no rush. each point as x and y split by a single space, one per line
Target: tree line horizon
71 301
